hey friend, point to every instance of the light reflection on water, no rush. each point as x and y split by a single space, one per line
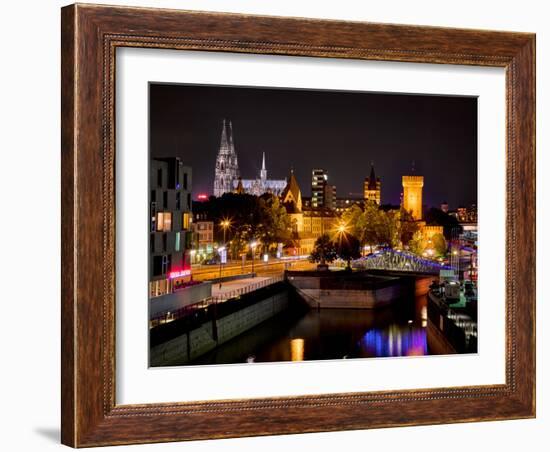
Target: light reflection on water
396 340
331 334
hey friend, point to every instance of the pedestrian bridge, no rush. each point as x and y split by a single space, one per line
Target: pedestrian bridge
401 261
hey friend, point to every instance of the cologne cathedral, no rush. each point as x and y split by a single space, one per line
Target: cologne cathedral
227 177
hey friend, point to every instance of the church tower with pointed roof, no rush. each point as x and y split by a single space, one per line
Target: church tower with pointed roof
292 195
292 201
372 187
227 165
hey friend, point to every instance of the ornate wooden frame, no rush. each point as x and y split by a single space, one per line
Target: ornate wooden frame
90 35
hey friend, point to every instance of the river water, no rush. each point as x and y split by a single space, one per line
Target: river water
330 334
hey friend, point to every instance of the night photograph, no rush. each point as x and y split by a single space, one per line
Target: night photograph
293 225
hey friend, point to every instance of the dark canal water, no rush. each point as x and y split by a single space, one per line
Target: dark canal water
330 334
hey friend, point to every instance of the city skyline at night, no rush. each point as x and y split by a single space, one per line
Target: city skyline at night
341 132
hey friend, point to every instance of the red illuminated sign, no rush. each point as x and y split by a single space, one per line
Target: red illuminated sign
179 274
202 197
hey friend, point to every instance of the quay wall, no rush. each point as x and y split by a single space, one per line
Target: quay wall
352 299
198 341
179 299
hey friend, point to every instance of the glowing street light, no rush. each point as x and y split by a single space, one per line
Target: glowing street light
225 225
221 251
253 248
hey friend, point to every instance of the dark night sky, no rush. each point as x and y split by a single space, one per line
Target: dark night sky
341 132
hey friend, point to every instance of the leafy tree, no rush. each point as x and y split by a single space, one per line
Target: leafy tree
275 222
372 224
417 244
438 217
407 226
355 218
439 245
324 250
348 248
387 228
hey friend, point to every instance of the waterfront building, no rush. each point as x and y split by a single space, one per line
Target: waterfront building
170 225
412 195
372 187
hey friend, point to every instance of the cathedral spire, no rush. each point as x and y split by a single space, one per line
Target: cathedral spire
227 167
263 171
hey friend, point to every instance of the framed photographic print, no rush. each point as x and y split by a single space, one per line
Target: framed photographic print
277 225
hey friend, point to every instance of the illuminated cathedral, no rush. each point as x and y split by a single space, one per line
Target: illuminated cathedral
227 176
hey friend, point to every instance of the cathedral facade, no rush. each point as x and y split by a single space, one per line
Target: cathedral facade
260 185
227 176
227 165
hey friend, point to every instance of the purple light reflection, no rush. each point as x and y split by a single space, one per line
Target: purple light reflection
396 341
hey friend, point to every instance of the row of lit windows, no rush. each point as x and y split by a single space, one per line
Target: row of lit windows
164 221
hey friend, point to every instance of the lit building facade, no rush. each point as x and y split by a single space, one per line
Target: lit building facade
329 197
260 185
372 187
307 223
227 177
412 195
203 238
342 204
227 165
170 227
319 178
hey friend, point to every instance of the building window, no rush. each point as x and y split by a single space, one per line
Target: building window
178 200
159 177
164 221
185 220
185 181
153 216
165 200
160 221
167 221
177 244
189 200
153 195
152 243
165 242
166 263
157 265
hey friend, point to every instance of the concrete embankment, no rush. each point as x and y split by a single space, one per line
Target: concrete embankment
346 290
179 343
357 290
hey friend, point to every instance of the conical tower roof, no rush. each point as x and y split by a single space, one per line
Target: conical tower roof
372 178
292 193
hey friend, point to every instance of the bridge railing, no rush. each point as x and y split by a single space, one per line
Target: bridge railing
390 259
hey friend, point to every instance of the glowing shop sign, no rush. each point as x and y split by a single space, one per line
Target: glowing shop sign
179 273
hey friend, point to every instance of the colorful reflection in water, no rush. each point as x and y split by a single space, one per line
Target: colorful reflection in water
395 340
331 334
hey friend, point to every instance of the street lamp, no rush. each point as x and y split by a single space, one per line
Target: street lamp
225 224
253 248
221 250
